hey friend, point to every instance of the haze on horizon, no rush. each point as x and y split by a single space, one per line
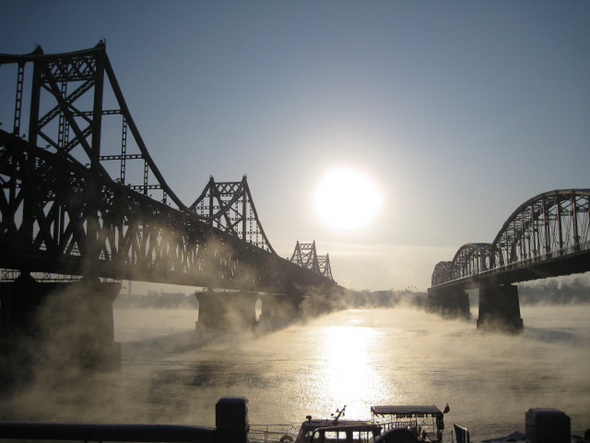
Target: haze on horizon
458 112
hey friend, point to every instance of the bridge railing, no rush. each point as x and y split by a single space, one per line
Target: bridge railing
444 267
554 254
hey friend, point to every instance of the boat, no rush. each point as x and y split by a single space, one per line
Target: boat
425 422
388 424
329 430
336 430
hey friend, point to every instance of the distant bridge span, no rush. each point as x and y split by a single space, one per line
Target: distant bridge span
82 199
546 236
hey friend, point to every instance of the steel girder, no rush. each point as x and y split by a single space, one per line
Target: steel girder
470 259
552 226
83 223
324 266
306 256
62 212
67 115
229 206
442 273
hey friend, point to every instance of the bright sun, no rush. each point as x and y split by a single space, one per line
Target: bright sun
347 199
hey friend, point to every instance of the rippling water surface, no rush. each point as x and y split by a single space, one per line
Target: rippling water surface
356 358
362 358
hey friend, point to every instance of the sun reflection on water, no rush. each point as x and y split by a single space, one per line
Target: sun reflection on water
346 353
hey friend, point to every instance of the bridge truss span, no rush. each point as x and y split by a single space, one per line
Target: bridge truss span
471 259
441 273
77 111
547 235
81 194
229 206
549 226
306 256
65 229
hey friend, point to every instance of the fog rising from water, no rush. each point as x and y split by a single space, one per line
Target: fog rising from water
173 374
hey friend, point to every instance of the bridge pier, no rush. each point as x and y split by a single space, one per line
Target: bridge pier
280 310
227 311
57 326
449 302
237 311
499 308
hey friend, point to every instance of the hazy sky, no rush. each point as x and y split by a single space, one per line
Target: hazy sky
459 111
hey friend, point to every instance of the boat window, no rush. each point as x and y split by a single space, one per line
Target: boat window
343 436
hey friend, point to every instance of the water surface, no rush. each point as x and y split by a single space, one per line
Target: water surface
358 358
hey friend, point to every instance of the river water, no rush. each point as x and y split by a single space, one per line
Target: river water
357 358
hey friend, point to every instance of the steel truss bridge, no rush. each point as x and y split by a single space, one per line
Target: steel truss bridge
546 236
82 196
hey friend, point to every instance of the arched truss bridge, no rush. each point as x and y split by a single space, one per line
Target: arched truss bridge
81 194
548 235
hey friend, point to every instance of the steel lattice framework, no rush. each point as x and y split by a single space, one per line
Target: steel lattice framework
550 225
229 207
441 273
67 115
324 266
62 212
551 228
306 256
471 259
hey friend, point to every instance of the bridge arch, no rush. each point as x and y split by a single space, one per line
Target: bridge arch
442 273
470 259
550 225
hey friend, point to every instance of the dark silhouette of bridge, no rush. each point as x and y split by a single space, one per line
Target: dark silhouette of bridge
546 236
82 199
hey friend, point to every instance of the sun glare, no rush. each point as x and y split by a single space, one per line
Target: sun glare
347 199
349 363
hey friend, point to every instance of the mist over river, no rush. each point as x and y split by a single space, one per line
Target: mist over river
356 358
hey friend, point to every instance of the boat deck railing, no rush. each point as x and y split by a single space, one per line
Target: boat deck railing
265 433
409 424
422 429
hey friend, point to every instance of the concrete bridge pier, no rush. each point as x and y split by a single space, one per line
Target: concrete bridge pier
279 309
59 326
449 302
227 311
499 308
238 311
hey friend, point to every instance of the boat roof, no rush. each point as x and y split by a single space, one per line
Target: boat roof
359 426
329 423
406 410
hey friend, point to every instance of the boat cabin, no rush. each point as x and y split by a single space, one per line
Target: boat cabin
334 431
425 422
